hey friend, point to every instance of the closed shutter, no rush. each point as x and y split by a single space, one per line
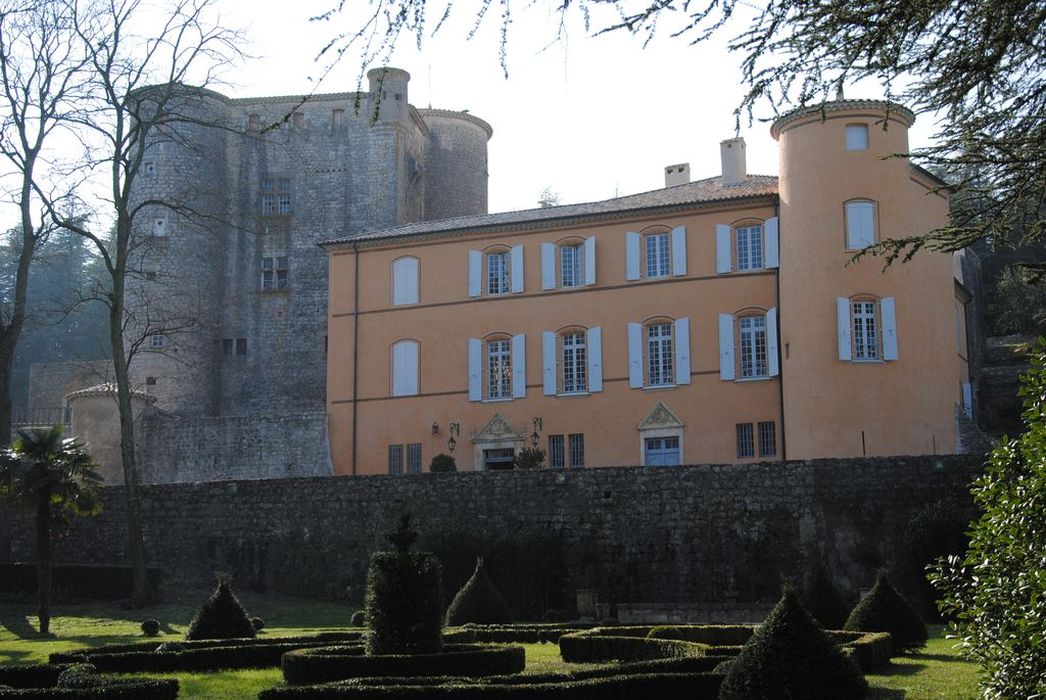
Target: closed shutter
726 347
517 268
631 255
682 332
590 260
842 322
475 369
723 252
595 359
889 316
771 342
548 362
773 244
519 366
548 265
405 281
405 368
475 272
679 250
635 355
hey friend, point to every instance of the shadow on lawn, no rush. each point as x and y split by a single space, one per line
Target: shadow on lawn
944 658
885 694
18 625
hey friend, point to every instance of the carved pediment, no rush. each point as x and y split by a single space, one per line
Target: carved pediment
497 429
660 417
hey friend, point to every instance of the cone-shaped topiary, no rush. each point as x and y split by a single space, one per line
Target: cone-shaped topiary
221 617
883 609
404 600
790 656
479 601
824 602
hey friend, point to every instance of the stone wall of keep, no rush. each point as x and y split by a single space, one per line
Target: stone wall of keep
703 533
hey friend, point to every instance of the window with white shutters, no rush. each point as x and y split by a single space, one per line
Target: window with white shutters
752 347
499 274
749 247
865 331
575 362
659 354
499 369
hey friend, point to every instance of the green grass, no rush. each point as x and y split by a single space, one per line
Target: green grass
936 673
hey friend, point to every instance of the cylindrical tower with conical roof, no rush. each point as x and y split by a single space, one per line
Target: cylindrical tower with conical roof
869 356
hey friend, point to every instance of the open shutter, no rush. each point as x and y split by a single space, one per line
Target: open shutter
771 342
590 260
631 255
475 272
682 332
635 355
548 265
773 244
726 347
595 359
517 269
475 369
519 366
679 250
889 316
842 322
548 362
723 253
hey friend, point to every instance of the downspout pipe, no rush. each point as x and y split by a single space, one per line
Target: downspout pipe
355 347
780 358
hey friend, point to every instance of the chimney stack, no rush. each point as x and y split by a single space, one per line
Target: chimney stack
732 152
677 175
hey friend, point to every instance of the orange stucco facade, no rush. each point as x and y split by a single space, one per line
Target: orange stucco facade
707 330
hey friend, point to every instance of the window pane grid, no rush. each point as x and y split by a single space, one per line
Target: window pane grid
555 451
572 265
659 353
750 248
866 340
657 255
499 369
498 278
395 459
745 441
274 273
767 439
575 363
753 347
414 458
577 450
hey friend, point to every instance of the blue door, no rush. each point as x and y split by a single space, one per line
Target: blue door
662 452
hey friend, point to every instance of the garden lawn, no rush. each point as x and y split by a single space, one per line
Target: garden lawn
936 673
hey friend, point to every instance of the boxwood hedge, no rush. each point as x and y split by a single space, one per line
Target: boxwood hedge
323 664
41 681
513 634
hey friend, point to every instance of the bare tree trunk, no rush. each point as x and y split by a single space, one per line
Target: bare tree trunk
43 559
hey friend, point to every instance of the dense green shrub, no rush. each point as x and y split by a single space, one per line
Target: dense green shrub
221 617
70 677
665 632
790 656
522 633
883 609
323 664
32 675
258 624
80 682
871 650
529 458
151 628
601 645
479 601
443 463
936 530
824 602
404 600
358 619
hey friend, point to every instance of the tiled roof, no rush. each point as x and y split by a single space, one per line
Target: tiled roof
699 192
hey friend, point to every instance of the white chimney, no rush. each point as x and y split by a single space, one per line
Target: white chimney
732 152
677 175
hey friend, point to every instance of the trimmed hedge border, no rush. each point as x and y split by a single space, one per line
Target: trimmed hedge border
871 650
335 663
513 634
203 655
40 681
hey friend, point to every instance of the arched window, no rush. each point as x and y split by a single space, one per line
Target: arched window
405 281
752 354
747 245
405 368
748 344
496 270
861 229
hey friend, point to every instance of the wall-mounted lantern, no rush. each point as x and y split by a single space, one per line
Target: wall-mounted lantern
455 431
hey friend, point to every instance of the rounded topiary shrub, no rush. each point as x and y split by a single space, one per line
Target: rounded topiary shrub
358 619
479 601
151 628
824 601
443 463
664 632
258 624
883 609
791 656
221 617
404 601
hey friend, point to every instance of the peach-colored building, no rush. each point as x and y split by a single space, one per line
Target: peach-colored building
710 321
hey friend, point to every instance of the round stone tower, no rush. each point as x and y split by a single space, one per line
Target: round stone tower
175 301
456 183
388 93
854 337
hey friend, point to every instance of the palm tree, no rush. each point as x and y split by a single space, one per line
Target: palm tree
56 477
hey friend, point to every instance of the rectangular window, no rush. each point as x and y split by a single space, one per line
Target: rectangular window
395 459
268 204
749 247
857 137
860 225
276 196
499 369
285 204
268 185
767 439
572 265
499 277
227 346
575 363
753 347
577 450
659 354
157 341
866 337
745 441
274 273
414 458
241 346
555 451
658 255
